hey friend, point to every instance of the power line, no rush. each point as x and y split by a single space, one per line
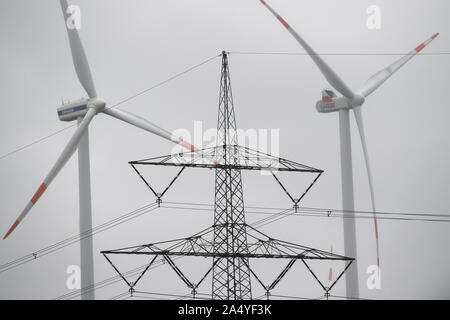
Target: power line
146 294
272 218
328 214
103 283
77 238
167 80
119 296
6 155
338 53
112 280
118 278
168 294
259 223
444 215
335 213
74 239
348 298
291 297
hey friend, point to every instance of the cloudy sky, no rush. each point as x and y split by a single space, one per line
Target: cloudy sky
133 45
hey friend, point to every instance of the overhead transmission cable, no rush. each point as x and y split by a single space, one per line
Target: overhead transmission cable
273 217
118 278
337 53
76 238
327 212
6 155
112 280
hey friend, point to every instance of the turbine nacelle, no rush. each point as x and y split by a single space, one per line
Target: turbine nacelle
331 102
78 109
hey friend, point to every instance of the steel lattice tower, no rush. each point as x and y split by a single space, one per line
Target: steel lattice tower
229 242
231 276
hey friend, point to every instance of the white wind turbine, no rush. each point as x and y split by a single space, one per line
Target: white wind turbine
350 101
84 111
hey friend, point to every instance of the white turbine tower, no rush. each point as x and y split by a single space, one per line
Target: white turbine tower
84 111
350 101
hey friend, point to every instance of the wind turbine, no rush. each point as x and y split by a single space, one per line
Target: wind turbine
84 111
350 101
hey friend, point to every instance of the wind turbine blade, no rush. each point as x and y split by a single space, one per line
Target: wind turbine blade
62 160
78 55
359 121
146 125
335 81
380 77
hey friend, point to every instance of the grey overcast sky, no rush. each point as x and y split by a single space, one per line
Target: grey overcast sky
132 45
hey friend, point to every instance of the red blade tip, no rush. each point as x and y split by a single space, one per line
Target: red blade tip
435 35
38 193
11 229
188 146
